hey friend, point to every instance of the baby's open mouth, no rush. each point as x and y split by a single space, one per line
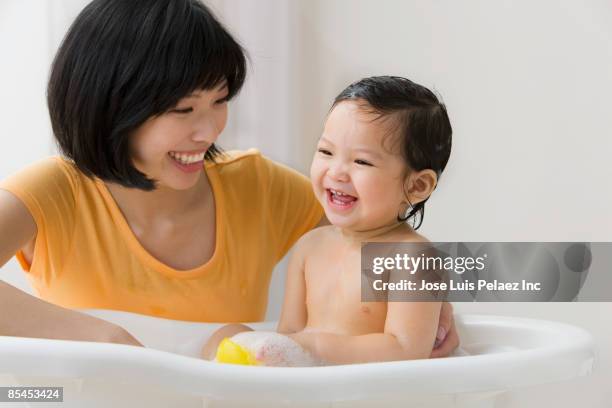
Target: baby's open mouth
340 198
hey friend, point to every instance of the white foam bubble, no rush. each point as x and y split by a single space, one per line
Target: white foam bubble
275 349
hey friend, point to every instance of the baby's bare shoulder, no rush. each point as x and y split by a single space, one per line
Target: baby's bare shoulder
416 237
314 241
316 236
403 234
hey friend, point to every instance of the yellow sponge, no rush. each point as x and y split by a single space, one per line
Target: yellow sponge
233 353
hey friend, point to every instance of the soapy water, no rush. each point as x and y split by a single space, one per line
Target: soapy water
274 349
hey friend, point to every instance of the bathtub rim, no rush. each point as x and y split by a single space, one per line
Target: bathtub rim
571 357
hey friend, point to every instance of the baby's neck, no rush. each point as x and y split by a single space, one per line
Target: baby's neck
376 233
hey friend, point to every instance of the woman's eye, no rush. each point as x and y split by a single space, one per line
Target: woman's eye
325 152
221 101
363 162
182 111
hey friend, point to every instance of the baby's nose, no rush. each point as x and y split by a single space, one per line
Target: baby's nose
338 172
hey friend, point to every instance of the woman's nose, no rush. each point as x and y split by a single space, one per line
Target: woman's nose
205 131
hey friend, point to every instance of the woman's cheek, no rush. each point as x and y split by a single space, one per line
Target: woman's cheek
221 120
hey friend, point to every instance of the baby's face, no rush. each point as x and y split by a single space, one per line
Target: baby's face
357 172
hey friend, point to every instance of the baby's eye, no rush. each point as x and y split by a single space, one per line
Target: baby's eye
221 101
325 152
182 111
363 162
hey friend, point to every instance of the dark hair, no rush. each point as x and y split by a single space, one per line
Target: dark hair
123 62
423 124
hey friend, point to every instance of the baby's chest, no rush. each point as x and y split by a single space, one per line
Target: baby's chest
328 278
334 298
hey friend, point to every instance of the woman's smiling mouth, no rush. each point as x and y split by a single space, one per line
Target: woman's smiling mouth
188 162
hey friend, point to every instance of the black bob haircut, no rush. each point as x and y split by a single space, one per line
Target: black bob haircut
124 61
424 129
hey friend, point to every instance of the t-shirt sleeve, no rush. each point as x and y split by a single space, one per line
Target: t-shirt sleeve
294 209
48 189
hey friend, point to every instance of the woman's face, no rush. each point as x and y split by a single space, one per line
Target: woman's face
356 174
170 148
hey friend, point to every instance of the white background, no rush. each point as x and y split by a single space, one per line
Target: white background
527 85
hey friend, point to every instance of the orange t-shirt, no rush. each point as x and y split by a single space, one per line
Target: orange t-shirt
86 255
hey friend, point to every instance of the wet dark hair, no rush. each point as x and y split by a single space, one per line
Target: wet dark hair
423 126
123 62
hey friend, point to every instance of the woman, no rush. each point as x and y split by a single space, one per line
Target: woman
128 219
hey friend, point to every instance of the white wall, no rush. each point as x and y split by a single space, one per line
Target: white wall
526 83
26 44
527 86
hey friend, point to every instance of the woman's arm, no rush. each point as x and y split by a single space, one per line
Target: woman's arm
410 332
24 315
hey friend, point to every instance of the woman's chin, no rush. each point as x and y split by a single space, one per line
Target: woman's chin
181 183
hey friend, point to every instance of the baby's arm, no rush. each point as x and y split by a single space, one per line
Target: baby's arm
410 327
294 315
410 331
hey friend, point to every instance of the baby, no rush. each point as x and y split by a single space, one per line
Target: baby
385 143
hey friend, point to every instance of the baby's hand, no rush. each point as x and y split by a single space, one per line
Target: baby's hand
272 353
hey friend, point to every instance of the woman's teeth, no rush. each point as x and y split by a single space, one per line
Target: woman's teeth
187 158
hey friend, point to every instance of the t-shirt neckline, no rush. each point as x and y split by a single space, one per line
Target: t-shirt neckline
210 170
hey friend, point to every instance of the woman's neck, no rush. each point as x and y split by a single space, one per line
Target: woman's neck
162 204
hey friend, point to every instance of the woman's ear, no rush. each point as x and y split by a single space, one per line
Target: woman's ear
420 184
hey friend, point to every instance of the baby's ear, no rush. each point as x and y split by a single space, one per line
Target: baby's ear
420 184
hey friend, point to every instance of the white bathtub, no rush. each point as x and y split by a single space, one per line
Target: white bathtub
506 353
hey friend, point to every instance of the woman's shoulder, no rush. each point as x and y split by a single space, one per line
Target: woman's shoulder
49 189
230 159
53 172
252 167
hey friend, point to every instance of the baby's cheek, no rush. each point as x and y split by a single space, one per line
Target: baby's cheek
315 172
316 181
373 190
383 202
